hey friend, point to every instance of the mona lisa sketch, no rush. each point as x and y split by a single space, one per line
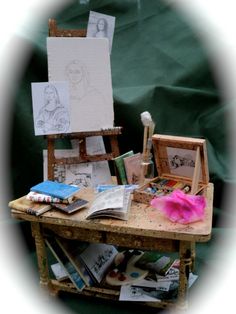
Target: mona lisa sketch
80 86
50 108
101 26
89 77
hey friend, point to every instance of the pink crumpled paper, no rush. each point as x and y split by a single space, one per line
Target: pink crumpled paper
180 207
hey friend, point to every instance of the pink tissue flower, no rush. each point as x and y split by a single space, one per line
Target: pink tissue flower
180 207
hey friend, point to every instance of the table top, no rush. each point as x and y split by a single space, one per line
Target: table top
143 220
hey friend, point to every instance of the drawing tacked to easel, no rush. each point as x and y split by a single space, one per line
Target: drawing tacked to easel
85 64
100 26
51 107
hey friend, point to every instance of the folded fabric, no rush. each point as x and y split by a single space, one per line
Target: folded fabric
180 207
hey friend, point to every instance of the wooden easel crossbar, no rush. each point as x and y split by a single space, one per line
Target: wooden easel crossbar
83 156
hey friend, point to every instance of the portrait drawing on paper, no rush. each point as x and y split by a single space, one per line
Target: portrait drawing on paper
51 108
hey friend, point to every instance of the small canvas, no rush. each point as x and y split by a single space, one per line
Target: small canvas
51 110
101 26
181 161
85 64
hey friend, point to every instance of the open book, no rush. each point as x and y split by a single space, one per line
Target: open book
113 203
98 257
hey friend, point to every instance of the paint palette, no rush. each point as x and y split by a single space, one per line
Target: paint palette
125 272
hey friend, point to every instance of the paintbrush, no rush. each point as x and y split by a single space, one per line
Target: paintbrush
147 135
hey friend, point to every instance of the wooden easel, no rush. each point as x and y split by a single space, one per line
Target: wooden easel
80 136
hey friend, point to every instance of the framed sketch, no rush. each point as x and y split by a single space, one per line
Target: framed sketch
176 155
101 26
85 64
51 110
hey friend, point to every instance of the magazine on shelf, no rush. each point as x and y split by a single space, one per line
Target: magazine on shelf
73 249
59 271
155 262
65 263
98 258
113 203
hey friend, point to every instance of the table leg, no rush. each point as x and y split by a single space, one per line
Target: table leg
185 255
193 255
41 255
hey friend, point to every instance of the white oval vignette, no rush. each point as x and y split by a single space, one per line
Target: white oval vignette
215 21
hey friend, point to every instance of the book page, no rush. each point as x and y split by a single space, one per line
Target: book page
112 198
98 257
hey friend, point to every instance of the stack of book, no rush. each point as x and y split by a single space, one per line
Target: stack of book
58 195
50 194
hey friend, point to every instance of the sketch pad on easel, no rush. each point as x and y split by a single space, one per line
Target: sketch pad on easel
85 64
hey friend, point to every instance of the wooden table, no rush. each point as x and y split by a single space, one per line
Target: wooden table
146 228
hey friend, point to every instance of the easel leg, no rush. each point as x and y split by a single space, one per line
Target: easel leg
185 254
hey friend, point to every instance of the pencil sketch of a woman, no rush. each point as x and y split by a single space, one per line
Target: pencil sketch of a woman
101 26
81 89
53 117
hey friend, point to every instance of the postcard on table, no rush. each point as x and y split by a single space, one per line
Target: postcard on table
85 64
51 109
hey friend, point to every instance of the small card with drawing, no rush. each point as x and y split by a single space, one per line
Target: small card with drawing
51 107
101 26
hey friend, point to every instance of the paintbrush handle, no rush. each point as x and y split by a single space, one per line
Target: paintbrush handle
145 135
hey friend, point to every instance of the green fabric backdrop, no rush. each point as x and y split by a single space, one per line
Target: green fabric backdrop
158 65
